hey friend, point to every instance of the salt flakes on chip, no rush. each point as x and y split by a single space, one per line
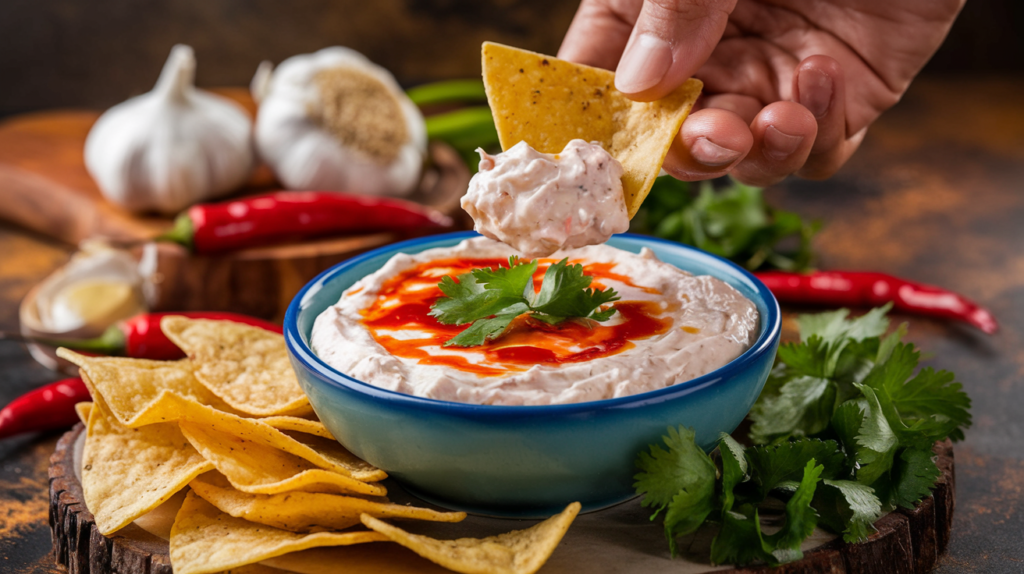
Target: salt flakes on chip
127 472
305 511
516 552
546 102
246 366
205 540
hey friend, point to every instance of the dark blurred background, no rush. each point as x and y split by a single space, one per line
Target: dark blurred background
95 53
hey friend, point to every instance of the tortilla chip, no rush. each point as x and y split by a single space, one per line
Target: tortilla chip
298 424
547 102
205 540
246 366
516 552
324 453
134 390
127 472
336 456
257 468
82 410
305 511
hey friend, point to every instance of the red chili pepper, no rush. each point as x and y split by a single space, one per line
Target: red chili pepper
863 288
140 336
46 408
294 215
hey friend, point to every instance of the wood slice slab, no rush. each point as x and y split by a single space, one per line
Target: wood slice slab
906 541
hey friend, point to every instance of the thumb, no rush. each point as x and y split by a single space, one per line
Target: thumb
670 41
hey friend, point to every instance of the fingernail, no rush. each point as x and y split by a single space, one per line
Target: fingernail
711 154
643 65
815 89
779 145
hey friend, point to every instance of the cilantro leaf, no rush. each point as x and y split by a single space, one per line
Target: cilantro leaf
688 509
772 465
490 299
800 517
876 442
913 476
484 330
802 407
833 326
848 507
565 292
874 450
510 281
928 407
681 479
734 469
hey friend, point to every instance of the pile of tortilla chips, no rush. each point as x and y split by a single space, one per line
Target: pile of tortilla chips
227 442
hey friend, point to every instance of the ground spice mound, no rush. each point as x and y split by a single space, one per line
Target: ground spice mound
362 113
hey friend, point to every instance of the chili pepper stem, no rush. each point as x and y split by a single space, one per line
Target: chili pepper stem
111 342
181 233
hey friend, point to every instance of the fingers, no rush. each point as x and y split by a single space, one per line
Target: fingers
820 86
712 142
599 32
747 107
670 41
783 134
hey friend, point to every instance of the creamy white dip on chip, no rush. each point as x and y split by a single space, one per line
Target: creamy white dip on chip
539 203
670 326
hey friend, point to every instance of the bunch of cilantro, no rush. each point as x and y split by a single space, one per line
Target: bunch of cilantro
733 222
842 433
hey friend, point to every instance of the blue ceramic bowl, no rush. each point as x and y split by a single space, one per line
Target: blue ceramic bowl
526 461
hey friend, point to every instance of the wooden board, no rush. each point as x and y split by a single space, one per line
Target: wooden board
907 541
46 188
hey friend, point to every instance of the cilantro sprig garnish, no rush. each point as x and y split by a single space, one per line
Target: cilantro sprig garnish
490 299
843 433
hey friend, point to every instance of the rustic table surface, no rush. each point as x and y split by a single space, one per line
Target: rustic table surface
935 194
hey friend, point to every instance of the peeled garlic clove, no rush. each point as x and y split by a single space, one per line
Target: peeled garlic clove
99 286
172 147
333 120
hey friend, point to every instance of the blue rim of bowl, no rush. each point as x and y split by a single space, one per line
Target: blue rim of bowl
304 353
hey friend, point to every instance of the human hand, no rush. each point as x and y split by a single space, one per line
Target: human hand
790 86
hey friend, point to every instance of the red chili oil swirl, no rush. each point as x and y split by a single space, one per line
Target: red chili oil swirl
404 302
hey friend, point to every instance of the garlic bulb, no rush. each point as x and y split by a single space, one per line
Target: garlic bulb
333 120
172 147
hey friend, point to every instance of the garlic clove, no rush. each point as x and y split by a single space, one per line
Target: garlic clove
99 286
333 120
260 84
172 147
